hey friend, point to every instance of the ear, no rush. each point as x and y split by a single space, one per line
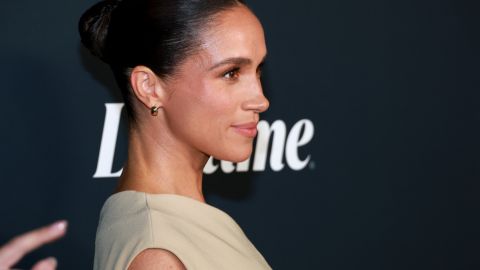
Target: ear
147 87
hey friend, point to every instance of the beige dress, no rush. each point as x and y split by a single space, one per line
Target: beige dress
200 235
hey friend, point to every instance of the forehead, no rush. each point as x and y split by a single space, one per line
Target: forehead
233 33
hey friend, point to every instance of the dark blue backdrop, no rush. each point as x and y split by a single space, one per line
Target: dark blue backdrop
391 88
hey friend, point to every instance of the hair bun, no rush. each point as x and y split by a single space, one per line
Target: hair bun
93 27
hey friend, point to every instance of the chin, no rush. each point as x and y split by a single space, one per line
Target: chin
236 155
239 158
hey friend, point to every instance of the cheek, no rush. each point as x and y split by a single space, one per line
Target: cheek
202 110
212 105
201 116
224 109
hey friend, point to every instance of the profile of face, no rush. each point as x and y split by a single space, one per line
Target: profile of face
215 96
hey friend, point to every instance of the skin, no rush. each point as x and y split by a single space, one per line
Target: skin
15 249
211 93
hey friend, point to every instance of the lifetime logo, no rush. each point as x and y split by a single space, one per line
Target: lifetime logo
283 145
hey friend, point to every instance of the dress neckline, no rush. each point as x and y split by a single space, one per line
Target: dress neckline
175 205
156 195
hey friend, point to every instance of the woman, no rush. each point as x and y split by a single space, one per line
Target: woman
189 72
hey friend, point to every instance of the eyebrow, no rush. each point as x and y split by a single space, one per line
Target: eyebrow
240 61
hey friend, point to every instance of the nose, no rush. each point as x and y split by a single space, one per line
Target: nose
258 102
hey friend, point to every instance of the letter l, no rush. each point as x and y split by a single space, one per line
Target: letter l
109 140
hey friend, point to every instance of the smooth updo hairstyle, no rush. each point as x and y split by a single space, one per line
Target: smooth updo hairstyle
158 34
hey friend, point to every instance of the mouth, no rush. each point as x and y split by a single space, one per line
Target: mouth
247 129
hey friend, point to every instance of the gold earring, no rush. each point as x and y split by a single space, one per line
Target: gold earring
154 110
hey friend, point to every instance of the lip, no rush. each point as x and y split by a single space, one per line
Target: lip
247 129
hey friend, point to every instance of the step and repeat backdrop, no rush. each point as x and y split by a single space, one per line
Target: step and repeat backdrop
368 158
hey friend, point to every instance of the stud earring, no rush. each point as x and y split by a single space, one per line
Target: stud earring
154 110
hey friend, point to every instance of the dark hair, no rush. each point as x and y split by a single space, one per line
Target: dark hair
158 34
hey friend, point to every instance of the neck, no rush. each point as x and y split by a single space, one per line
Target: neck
160 164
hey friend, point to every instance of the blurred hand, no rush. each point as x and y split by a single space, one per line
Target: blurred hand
16 248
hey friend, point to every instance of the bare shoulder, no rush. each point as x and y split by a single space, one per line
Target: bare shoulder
158 259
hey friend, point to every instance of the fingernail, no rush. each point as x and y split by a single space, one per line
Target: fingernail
60 225
52 262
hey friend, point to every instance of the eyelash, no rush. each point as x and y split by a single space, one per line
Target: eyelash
232 74
259 71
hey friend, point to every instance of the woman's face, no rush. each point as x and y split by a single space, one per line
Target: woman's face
216 95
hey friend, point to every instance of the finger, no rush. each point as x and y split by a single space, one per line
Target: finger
46 264
14 250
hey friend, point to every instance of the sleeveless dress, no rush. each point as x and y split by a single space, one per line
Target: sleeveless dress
201 236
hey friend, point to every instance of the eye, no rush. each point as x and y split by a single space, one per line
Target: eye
232 74
259 70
